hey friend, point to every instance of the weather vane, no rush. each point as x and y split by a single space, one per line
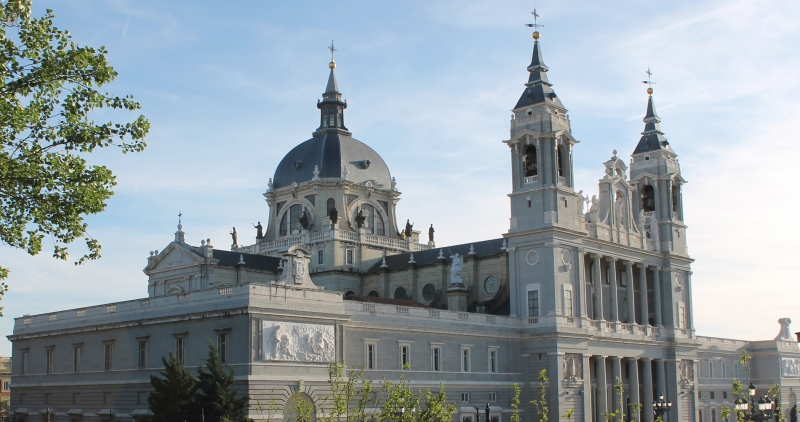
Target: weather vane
535 25
333 50
649 82
180 214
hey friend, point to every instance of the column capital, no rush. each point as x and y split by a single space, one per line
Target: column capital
646 359
599 356
639 265
611 259
654 267
595 255
627 262
581 250
690 272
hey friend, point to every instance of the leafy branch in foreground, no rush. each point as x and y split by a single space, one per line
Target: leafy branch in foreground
47 93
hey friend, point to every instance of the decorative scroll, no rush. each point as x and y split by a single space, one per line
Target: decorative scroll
790 367
289 341
573 367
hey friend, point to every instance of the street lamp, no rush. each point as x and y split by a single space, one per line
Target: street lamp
487 412
766 406
477 414
661 406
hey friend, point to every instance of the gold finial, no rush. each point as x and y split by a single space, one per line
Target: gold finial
332 64
649 82
535 25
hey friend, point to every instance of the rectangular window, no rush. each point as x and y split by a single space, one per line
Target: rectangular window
465 359
49 366
222 347
713 415
711 369
494 419
700 414
436 358
109 357
533 303
349 254
369 357
724 370
493 361
700 395
568 308
492 397
76 398
23 369
142 362
465 397
180 349
76 361
711 395
466 419
405 356
6 385
320 257
724 394
681 316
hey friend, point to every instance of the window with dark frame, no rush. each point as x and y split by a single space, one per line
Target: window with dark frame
533 303
108 357
222 347
76 359
142 361
49 361
180 349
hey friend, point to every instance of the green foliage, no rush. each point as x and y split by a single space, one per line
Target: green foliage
775 392
349 397
299 409
215 395
173 396
568 414
541 403
267 413
399 401
436 409
515 402
619 414
47 93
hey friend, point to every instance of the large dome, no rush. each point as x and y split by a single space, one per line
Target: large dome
331 151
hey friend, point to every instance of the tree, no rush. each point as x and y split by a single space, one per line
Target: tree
172 398
541 403
215 395
515 402
619 414
349 397
47 93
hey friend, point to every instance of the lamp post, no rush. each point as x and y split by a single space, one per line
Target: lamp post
761 411
487 412
661 406
477 414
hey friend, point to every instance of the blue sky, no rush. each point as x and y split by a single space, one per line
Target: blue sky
230 87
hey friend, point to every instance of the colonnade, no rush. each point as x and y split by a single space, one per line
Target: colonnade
607 369
633 302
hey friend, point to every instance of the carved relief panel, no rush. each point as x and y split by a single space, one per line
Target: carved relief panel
289 341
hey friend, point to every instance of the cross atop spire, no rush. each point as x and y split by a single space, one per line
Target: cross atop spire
649 82
332 49
535 25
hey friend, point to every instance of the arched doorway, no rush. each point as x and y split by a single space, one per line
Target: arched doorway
300 408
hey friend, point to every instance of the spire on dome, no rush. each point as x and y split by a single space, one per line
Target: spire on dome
332 107
652 138
538 88
179 235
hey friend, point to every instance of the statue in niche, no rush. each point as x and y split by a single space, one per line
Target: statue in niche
430 233
334 215
455 269
409 228
641 221
573 367
360 218
259 231
235 236
687 372
304 220
619 211
581 202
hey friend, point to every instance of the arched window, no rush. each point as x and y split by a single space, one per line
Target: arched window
401 294
648 199
349 294
373 220
291 220
373 293
332 121
339 120
530 161
331 205
676 199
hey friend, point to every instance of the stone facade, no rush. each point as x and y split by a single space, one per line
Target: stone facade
592 290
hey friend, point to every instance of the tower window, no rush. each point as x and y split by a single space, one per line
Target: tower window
291 220
676 199
373 220
331 205
559 159
648 199
331 124
530 162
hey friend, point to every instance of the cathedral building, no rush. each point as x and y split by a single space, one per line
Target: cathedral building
597 291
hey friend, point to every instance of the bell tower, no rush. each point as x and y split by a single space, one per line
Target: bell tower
656 175
541 154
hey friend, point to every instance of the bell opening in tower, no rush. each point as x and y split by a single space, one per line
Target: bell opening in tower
648 199
531 167
676 197
559 160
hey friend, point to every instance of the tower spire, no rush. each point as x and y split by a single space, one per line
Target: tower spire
652 138
538 88
332 107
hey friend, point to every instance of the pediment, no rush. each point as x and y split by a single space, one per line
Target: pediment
174 256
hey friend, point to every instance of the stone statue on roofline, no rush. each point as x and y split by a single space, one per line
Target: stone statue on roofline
259 231
304 220
455 269
334 215
360 219
235 236
409 228
430 233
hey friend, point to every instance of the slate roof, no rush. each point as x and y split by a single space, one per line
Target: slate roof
538 89
652 138
255 262
483 249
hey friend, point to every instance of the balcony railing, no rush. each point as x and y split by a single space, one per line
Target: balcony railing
531 179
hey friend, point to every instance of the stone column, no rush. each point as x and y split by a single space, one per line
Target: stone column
612 290
598 287
657 296
581 284
647 390
633 388
616 376
689 309
630 291
642 295
661 387
602 389
587 388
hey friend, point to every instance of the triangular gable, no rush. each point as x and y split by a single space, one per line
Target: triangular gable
173 256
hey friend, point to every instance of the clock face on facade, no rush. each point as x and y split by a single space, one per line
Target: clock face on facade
491 285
